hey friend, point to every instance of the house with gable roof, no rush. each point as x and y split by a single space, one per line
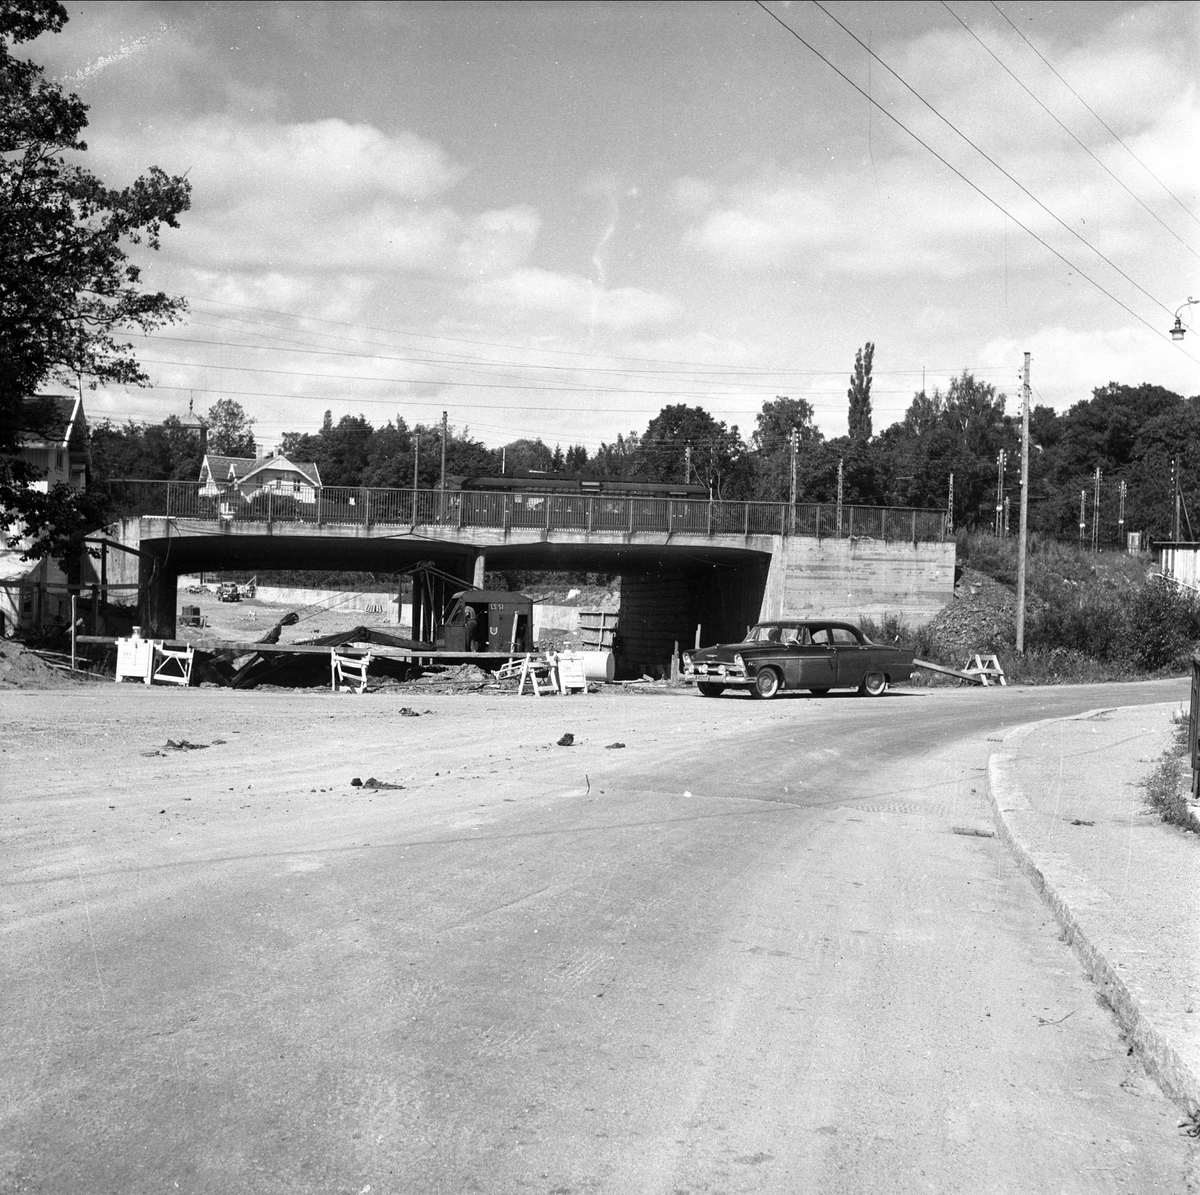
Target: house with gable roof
251 476
35 592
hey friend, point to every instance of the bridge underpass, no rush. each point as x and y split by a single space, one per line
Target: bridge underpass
669 585
684 565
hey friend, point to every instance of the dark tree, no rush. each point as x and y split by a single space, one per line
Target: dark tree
860 394
771 445
230 429
67 290
523 456
679 434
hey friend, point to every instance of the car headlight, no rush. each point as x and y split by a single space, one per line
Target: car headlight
687 660
738 662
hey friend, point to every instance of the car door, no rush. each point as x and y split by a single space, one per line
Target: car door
854 659
816 663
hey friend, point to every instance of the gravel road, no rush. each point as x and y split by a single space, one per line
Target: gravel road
751 949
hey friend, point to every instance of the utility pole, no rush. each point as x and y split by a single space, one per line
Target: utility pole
1121 517
416 476
1023 523
1096 511
687 464
1082 516
1175 523
841 464
503 459
792 496
998 525
442 483
950 507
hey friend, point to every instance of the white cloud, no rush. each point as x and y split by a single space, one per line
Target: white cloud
535 292
313 162
1066 364
325 196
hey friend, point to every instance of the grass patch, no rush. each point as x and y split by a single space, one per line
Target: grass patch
1165 789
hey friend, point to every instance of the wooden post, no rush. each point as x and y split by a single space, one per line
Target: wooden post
1023 526
416 483
74 628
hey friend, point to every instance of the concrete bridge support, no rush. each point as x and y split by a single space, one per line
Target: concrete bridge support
159 594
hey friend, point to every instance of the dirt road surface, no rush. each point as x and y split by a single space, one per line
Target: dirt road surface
749 950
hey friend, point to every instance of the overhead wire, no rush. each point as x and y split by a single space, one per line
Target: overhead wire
973 185
1131 193
1111 131
984 154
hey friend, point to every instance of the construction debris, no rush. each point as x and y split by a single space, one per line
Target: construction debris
568 740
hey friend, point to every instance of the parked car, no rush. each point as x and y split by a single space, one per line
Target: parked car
810 653
227 591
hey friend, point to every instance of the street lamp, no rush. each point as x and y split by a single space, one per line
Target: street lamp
1178 330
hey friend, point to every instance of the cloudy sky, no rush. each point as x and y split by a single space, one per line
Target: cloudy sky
554 219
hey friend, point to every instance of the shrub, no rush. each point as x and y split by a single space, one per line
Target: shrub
1163 623
1164 791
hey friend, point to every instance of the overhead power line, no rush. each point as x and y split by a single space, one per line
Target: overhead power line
973 185
1132 194
985 155
701 369
1112 132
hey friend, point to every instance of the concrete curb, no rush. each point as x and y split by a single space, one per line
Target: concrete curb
1172 1073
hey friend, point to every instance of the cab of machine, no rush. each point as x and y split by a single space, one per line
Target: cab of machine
488 620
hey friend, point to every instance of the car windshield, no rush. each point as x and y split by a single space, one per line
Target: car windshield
764 633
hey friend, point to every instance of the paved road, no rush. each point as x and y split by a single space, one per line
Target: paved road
751 950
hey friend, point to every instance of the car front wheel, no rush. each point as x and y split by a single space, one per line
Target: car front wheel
766 683
874 684
710 690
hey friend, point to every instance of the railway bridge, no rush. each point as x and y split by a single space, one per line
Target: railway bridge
688 567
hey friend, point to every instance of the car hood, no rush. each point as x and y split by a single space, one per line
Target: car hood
723 653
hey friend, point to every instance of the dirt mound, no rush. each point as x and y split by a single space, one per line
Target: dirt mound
26 668
982 618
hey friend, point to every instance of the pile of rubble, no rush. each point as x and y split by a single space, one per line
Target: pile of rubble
30 668
982 618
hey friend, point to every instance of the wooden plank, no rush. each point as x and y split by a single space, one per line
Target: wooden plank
974 678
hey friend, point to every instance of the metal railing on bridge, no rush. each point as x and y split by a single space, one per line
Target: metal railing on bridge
347 506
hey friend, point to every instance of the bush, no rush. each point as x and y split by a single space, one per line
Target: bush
1163 624
1164 791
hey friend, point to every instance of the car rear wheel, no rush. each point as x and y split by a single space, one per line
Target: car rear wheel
818 692
766 683
708 690
874 684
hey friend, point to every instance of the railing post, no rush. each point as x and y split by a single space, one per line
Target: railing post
746 520
710 516
366 508
629 503
591 510
317 492
914 522
670 514
850 524
270 506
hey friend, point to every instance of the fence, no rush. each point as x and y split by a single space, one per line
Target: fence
361 507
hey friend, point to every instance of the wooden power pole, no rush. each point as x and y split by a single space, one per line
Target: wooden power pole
1023 526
